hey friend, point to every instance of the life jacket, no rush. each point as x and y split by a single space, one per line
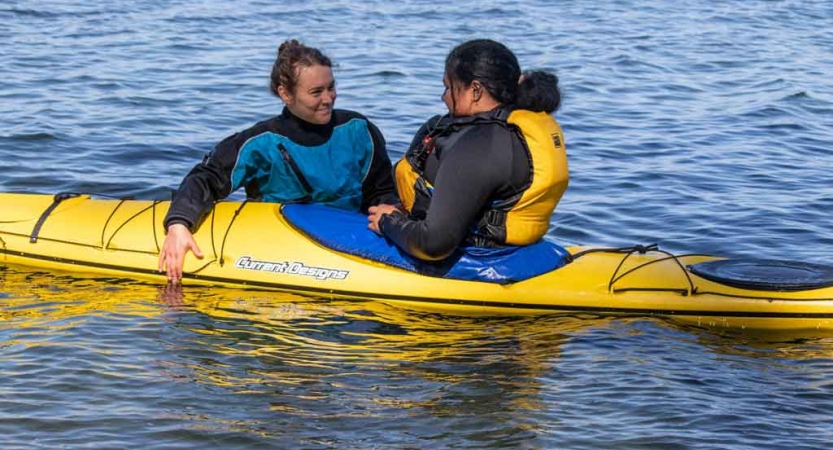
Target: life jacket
519 219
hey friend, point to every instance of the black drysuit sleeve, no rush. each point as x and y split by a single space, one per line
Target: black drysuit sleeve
208 182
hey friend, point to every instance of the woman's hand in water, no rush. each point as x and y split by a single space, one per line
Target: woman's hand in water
177 244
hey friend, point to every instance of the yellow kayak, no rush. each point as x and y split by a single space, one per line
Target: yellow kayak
255 245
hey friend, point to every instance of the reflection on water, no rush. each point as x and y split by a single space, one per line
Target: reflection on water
325 337
250 367
33 299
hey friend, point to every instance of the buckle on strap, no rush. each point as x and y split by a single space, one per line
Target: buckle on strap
495 217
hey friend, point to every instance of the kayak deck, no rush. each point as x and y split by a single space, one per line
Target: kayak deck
253 245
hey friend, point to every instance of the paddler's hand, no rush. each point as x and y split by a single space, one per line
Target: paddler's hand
376 213
177 244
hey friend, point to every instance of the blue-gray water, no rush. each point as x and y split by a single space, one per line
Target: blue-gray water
704 126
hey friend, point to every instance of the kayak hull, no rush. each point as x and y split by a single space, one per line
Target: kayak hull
253 245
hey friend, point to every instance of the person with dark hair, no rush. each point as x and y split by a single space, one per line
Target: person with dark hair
311 152
490 173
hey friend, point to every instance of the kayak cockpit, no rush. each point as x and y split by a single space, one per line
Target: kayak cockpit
347 232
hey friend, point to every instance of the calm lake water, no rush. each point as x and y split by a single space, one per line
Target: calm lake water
703 126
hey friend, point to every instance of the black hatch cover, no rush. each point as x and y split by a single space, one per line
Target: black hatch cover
765 274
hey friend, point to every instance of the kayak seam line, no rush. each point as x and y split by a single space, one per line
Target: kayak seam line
483 303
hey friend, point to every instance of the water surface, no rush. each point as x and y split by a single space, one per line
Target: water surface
705 127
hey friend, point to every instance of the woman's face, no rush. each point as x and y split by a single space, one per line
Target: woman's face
314 96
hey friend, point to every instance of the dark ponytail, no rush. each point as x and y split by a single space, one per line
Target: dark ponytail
538 91
496 68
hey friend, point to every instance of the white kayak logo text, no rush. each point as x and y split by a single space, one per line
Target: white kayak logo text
290 268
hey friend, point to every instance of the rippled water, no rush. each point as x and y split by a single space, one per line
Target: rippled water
704 126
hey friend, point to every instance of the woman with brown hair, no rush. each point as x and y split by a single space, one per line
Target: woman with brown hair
310 153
